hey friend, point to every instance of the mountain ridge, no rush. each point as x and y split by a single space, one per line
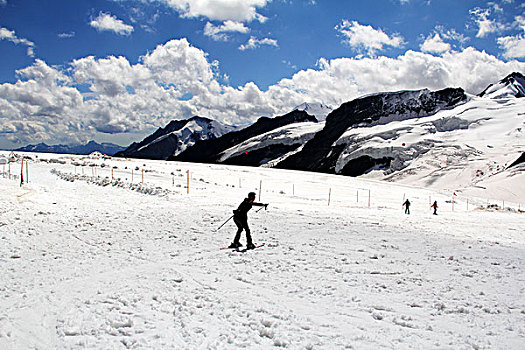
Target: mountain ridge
320 155
208 151
174 138
88 148
512 85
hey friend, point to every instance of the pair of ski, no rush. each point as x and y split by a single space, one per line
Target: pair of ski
244 249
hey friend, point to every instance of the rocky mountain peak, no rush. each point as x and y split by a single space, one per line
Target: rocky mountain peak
513 85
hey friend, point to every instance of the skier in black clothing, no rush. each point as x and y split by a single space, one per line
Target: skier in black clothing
407 206
240 217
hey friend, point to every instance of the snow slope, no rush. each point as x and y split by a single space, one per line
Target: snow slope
298 133
453 150
89 261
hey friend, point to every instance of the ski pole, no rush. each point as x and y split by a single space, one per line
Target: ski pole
263 207
224 223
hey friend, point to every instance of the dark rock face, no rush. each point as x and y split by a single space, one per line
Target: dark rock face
520 160
320 154
208 151
364 164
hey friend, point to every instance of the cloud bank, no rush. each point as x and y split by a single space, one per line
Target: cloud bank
177 80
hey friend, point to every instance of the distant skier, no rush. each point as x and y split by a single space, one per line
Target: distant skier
240 217
407 206
435 206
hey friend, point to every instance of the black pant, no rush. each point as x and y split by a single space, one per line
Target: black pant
242 224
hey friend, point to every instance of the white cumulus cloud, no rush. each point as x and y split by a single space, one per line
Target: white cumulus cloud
107 22
220 10
367 38
254 43
512 46
435 44
219 33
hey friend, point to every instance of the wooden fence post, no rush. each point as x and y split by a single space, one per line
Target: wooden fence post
22 172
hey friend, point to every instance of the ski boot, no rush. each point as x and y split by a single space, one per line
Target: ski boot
235 245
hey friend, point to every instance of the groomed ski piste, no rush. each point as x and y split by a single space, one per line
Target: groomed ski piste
124 255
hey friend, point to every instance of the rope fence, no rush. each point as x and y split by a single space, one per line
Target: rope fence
325 190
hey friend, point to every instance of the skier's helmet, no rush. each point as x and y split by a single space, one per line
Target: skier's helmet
251 195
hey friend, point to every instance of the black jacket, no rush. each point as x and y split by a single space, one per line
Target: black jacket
244 207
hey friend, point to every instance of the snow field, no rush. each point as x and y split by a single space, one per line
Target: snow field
91 263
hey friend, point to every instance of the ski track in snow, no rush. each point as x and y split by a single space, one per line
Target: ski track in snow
87 266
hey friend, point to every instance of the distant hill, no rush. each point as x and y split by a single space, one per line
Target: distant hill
90 147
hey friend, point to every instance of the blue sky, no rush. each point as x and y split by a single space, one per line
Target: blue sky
114 70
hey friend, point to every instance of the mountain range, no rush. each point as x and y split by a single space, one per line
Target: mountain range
88 148
421 137
211 151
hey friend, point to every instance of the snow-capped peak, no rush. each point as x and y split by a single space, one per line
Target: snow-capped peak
318 110
511 86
